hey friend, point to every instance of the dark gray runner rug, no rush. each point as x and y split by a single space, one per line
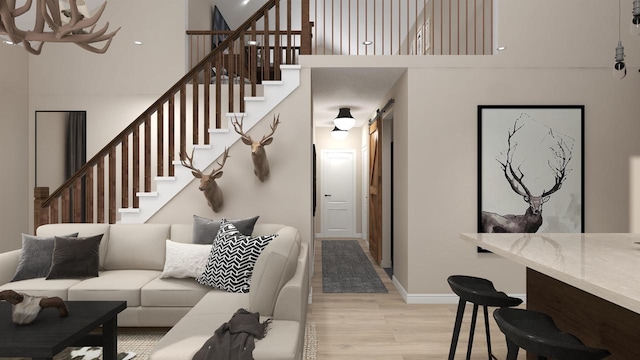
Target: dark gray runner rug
346 269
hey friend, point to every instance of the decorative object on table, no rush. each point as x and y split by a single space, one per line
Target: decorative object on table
539 151
208 184
25 308
72 27
258 153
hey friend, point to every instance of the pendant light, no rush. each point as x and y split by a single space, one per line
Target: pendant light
344 120
619 68
339 134
635 21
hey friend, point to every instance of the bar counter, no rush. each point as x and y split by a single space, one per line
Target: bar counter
589 283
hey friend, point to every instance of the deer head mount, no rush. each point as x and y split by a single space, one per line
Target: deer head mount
78 30
208 185
258 154
531 221
25 308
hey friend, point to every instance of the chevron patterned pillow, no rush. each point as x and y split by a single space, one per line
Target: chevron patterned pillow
232 258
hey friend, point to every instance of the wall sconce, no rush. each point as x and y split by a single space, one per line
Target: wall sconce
339 134
635 21
344 120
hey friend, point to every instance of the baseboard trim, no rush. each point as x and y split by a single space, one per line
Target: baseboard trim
429 299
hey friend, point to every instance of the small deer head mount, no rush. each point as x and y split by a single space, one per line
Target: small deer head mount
25 308
258 154
208 185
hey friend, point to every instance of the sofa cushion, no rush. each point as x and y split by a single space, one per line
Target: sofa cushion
172 292
205 230
83 230
136 246
35 258
184 260
275 266
114 285
190 333
75 258
42 287
232 258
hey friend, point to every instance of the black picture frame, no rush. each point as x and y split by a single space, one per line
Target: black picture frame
530 155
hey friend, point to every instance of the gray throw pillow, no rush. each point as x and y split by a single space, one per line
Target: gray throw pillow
35 258
75 258
205 230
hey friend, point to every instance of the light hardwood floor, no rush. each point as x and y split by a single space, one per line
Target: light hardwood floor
383 326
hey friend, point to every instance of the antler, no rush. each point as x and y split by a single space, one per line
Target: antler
515 179
274 126
48 11
237 126
562 155
190 164
55 302
224 159
11 297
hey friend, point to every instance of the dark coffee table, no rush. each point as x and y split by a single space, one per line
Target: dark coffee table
49 334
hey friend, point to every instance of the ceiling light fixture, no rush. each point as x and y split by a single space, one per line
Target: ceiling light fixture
619 68
137 42
252 42
344 120
503 48
8 42
339 134
367 42
635 21
245 2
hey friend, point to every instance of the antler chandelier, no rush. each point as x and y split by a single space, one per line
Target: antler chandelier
65 25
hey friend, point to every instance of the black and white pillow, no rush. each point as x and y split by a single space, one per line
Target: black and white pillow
232 258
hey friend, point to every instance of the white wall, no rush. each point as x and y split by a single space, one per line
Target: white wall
567 61
15 193
285 197
50 148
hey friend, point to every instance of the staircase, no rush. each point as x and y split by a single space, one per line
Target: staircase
139 171
204 155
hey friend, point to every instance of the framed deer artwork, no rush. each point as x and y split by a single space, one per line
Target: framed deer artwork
531 169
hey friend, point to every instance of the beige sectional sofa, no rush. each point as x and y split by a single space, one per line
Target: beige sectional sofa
132 258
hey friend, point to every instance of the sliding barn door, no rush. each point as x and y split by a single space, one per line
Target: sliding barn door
375 190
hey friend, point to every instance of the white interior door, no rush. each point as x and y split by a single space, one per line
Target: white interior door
338 193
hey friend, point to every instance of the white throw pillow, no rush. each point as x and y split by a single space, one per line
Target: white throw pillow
184 260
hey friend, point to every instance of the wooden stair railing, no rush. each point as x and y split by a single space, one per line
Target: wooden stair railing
147 147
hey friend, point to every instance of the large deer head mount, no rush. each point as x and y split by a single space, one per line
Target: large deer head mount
25 308
258 154
208 185
531 221
72 28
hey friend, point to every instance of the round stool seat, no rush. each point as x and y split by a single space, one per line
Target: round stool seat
536 332
480 291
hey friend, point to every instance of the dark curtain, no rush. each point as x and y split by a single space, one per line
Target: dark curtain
76 153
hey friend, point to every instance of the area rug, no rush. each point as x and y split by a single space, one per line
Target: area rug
346 269
310 342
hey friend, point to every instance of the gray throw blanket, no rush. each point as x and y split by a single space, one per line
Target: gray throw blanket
234 340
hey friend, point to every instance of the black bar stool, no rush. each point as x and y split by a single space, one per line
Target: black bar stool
477 291
537 333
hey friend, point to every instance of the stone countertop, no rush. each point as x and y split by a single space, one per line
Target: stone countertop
605 265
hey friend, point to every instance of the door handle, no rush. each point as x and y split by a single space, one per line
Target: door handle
327 195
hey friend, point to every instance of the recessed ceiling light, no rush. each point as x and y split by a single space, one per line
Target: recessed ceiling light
245 2
252 42
367 42
138 42
501 48
8 42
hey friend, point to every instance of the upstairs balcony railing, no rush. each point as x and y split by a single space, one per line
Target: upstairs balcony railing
387 27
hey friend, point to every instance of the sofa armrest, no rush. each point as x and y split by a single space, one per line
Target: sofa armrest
293 297
8 265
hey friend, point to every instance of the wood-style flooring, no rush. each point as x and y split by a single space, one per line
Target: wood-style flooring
383 326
